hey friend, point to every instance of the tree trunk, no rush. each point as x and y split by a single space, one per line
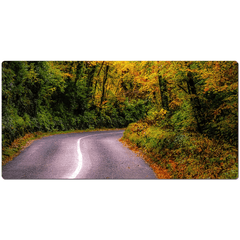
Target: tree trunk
79 71
197 109
95 86
163 91
103 87
91 73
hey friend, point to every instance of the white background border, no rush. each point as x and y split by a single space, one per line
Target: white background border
119 30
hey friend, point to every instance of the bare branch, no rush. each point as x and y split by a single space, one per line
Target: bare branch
182 89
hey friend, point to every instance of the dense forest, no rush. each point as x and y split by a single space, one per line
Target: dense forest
183 113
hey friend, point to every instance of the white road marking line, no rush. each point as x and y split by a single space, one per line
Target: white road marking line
79 160
79 167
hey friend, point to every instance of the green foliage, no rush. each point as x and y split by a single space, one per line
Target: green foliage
45 122
13 125
134 110
222 115
183 119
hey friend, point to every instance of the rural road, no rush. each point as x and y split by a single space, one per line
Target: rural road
89 155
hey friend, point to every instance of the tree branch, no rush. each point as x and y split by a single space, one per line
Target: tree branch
100 69
182 89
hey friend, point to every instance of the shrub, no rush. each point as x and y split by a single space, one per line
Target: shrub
45 121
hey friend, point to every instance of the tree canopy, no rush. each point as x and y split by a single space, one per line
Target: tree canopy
42 96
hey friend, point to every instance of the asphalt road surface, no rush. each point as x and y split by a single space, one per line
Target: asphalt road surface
89 155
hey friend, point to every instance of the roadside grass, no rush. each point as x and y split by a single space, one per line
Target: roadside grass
19 144
159 171
182 155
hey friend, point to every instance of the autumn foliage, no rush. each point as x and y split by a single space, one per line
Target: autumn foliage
183 114
192 131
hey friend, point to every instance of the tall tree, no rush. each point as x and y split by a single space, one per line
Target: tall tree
164 94
104 83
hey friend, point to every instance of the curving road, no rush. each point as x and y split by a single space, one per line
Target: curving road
89 155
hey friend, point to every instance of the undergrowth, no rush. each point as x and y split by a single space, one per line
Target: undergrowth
184 155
